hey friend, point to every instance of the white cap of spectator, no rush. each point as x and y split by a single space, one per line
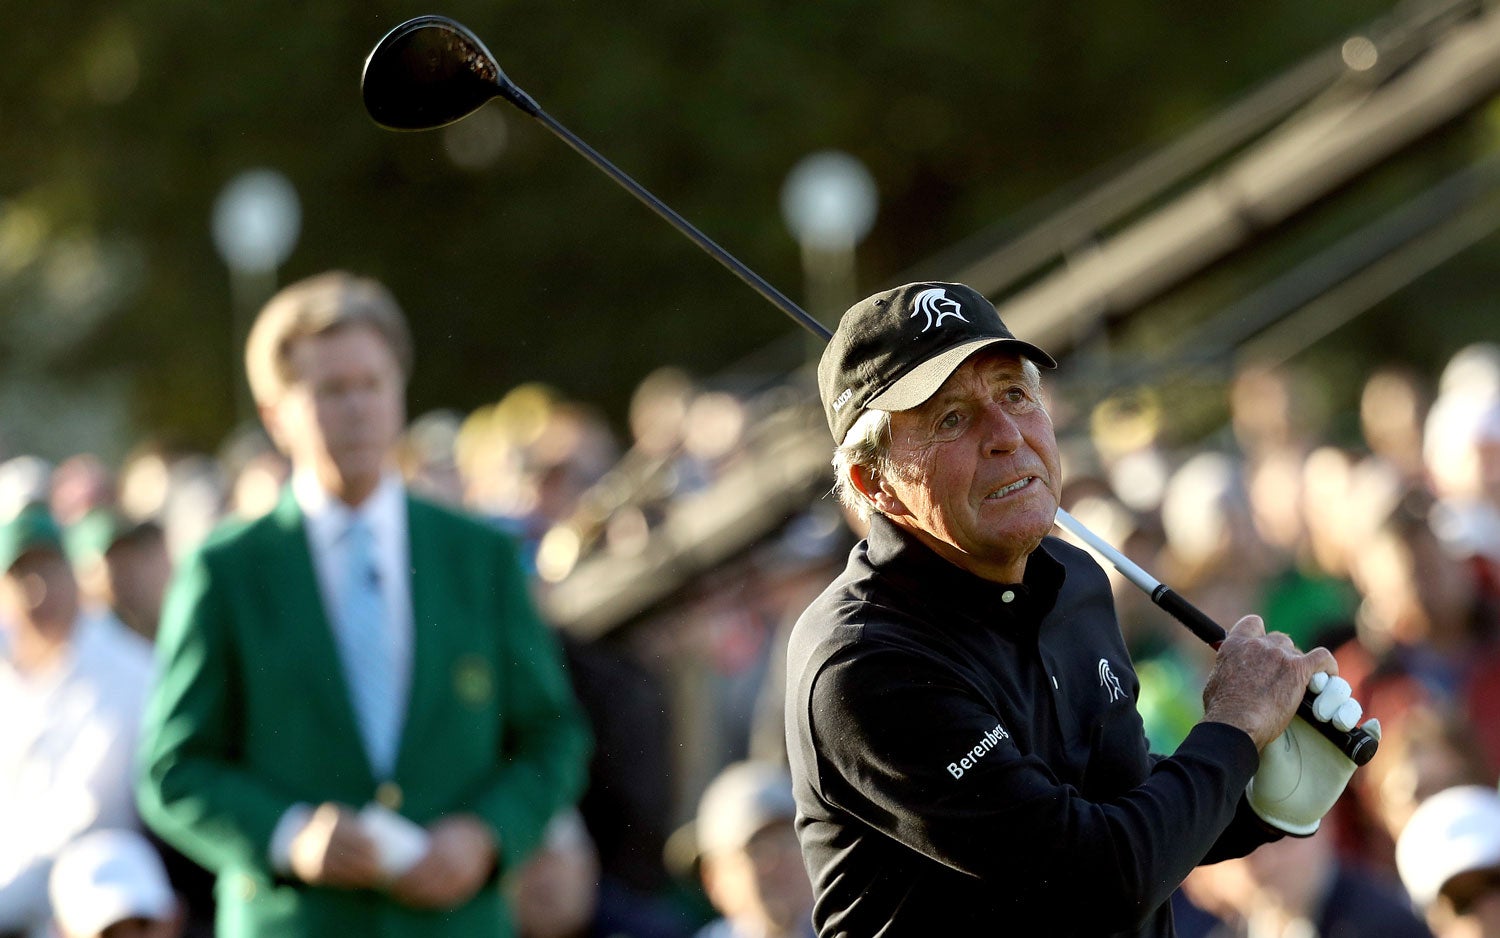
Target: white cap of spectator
106 877
24 480
749 860
742 800
1474 370
1452 833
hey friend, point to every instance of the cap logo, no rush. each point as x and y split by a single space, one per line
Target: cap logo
843 399
936 305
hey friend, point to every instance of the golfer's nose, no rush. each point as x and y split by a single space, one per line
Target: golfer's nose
1001 433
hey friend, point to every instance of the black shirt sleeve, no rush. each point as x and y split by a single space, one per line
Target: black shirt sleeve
909 747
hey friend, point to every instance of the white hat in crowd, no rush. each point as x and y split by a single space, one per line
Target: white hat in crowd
742 800
1455 831
108 876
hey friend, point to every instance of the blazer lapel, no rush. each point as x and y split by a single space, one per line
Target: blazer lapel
424 550
296 577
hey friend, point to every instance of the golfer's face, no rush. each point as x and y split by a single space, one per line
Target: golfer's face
976 468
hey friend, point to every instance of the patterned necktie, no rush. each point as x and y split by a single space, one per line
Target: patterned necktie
364 644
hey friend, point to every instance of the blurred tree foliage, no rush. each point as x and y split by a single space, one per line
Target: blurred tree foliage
515 259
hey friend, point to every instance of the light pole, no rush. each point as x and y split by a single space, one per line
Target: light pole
829 201
256 220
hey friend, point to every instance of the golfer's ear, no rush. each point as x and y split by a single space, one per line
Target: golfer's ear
875 490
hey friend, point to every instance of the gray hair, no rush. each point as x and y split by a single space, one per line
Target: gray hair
867 445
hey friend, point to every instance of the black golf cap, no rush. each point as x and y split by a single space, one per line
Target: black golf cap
893 350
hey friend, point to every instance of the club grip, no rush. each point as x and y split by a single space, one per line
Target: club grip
1357 744
1189 615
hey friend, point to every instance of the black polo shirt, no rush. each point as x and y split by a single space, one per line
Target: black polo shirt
968 759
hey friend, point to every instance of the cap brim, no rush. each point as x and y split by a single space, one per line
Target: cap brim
112 905
680 853
9 559
917 385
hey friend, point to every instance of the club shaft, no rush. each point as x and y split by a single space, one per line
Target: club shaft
1128 568
644 195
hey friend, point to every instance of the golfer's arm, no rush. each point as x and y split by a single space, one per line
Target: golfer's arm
894 737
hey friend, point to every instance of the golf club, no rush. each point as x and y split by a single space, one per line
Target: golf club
432 71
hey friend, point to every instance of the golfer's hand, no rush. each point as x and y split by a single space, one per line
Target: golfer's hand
1302 774
331 849
459 859
1258 680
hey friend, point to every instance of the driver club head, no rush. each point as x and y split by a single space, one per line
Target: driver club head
431 71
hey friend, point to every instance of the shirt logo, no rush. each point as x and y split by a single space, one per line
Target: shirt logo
936 305
1109 682
968 760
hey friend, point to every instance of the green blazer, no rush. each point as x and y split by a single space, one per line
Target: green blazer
251 715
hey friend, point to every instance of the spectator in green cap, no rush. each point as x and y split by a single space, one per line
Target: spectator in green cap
72 688
122 566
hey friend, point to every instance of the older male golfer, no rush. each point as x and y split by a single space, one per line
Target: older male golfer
962 721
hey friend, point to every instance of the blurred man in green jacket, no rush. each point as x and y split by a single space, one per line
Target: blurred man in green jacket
360 719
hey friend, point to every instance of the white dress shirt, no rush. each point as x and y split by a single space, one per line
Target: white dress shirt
326 519
68 736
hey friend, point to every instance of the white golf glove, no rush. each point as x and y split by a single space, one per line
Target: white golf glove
1301 773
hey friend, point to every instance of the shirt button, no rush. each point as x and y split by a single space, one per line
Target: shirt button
1007 596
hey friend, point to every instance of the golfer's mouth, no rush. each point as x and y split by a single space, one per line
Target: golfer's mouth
1010 489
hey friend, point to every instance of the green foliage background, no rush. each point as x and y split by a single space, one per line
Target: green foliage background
121 122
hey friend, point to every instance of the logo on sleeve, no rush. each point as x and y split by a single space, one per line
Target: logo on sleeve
986 744
1109 682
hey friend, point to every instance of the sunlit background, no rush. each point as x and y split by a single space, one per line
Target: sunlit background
1256 235
1007 145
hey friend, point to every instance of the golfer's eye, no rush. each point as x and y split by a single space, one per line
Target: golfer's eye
950 421
1017 399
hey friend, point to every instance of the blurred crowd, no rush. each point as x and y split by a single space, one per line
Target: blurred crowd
88 549
1376 534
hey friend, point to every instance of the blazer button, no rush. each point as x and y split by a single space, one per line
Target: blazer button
389 795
